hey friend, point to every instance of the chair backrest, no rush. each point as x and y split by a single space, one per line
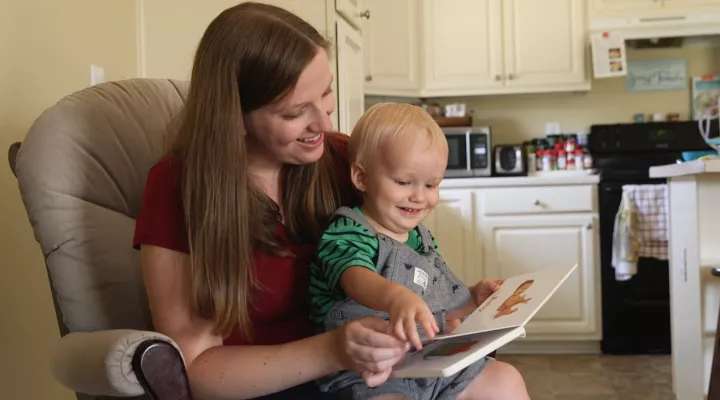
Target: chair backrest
81 171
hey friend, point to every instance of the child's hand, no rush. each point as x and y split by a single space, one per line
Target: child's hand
484 289
406 311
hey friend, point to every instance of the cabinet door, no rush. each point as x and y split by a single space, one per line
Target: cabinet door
690 5
545 42
626 5
351 10
517 245
391 46
452 224
351 100
463 42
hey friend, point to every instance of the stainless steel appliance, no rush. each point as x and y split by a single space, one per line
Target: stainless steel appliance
635 313
469 151
509 160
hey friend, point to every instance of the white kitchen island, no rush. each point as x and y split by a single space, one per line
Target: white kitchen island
694 208
504 226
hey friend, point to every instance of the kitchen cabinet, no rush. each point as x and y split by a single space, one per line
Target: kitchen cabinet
451 223
352 11
636 8
486 231
625 5
391 47
515 245
350 93
475 47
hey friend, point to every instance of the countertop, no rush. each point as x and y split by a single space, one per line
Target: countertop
540 179
686 168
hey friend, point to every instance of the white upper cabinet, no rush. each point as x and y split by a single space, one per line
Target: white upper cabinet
352 11
639 8
350 96
475 47
545 50
463 45
391 47
625 5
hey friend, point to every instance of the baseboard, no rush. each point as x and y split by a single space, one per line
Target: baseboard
551 347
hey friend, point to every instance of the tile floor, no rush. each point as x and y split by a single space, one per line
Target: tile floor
596 377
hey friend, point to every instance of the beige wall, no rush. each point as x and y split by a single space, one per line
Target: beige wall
48 57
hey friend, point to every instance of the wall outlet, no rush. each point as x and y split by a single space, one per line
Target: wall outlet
97 75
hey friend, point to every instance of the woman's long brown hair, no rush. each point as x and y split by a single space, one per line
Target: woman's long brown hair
250 56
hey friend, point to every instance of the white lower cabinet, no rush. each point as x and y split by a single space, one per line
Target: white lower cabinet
456 238
533 230
516 245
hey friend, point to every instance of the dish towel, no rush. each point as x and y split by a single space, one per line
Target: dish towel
641 228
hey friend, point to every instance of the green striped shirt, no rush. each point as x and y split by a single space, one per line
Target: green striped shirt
344 244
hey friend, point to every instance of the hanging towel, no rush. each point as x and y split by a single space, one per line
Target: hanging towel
641 228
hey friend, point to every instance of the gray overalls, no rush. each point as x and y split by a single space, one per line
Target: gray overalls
428 276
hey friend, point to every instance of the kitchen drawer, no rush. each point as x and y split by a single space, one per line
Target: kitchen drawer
538 200
352 11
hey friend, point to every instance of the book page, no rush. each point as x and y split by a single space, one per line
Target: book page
447 357
517 301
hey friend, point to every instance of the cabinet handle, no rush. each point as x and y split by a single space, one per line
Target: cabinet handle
498 77
537 203
368 78
511 76
365 14
588 226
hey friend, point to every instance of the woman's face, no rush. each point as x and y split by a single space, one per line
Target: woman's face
291 131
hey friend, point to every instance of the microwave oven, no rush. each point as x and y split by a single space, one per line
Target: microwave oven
469 152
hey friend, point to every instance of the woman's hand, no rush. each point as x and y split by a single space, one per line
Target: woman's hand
484 289
364 346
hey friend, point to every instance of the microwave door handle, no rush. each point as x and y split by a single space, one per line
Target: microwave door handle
468 152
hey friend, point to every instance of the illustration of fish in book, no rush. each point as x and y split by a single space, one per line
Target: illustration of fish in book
506 308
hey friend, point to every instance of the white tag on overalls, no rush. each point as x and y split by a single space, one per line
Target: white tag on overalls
421 278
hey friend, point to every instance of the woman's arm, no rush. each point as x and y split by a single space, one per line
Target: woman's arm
236 372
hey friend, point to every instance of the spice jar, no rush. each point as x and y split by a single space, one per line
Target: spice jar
546 161
587 161
570 144
561 160
579 159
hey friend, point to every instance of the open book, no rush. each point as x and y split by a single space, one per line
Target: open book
498 321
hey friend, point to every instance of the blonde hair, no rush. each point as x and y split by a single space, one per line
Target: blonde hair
385 124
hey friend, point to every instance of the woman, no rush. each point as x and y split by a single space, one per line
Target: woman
231 214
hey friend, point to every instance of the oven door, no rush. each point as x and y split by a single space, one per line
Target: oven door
635 313
458 155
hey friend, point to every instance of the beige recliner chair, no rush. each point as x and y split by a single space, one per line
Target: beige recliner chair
81 172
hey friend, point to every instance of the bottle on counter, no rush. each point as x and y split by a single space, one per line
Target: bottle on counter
546 160
579 159
587 161
561 160
570 144
530 156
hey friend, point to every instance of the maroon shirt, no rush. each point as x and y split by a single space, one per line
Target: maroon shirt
279 312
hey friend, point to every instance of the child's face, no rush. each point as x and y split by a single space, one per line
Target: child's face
401 188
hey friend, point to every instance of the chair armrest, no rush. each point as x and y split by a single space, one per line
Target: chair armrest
112 363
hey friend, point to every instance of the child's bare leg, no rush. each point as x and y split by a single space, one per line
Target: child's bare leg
497 381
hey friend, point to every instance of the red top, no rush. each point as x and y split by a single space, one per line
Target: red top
280 312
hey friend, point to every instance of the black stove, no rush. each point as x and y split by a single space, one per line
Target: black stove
635 313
